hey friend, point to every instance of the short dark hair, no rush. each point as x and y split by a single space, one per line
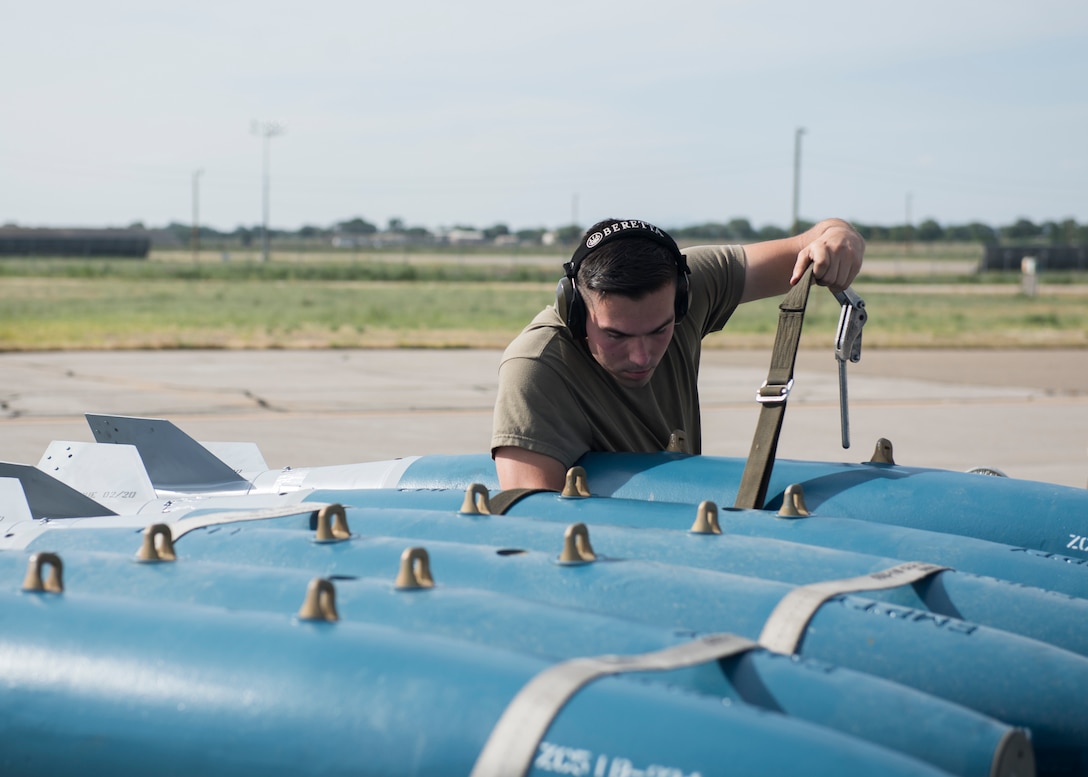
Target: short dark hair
631 266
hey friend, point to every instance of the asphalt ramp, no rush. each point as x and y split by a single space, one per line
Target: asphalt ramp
1021 412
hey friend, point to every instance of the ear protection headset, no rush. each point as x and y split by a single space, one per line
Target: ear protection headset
568 299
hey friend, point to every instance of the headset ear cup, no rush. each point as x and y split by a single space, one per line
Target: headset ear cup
576 318
571 307
563 293
683 296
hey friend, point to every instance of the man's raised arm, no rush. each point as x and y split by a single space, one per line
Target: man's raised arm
833 248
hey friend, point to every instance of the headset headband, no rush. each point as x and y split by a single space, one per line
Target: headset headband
620 229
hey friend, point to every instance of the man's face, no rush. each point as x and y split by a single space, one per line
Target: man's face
628 337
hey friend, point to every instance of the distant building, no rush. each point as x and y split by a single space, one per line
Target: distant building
378 239
998 257
465 237
18 241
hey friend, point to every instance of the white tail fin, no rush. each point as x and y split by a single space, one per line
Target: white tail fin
112 475
174 461
47 497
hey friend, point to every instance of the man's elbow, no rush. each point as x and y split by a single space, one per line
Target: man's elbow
521 468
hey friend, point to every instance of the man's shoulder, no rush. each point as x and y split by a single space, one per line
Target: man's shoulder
707 257
545 335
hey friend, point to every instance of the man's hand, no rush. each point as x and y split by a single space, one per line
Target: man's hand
835 254
833 248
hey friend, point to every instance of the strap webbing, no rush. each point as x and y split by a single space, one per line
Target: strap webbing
183 526
513 743
752 492
504 500
786 625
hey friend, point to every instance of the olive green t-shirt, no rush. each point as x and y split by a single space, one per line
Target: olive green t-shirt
555 399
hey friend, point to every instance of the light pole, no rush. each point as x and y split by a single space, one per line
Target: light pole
908 233
266 130
796 179
196 214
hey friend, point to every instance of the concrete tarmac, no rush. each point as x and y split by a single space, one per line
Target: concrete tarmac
1021 411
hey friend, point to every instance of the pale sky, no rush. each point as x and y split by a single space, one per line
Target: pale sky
486 111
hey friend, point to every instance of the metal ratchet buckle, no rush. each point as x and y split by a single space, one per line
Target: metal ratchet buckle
852 318
773 394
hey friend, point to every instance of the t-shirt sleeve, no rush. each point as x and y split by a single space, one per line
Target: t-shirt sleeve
529 392
717 283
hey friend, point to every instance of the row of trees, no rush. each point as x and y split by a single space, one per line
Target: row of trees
1067 232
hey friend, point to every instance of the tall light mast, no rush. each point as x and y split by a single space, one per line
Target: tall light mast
266 130
795 226
196 214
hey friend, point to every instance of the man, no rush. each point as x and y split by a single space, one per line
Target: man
614 364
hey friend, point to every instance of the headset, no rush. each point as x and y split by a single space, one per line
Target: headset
568 299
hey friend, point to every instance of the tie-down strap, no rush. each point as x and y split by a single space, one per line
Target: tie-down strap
786 625
513 743
183 526
772 396
504 500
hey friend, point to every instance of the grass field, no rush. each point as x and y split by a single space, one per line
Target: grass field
461 300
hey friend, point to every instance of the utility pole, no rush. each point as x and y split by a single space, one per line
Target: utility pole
908 233
266 130
794 228
196 214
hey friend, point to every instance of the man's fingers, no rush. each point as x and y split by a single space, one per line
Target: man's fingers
799 267
835 257
815 254
833 264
